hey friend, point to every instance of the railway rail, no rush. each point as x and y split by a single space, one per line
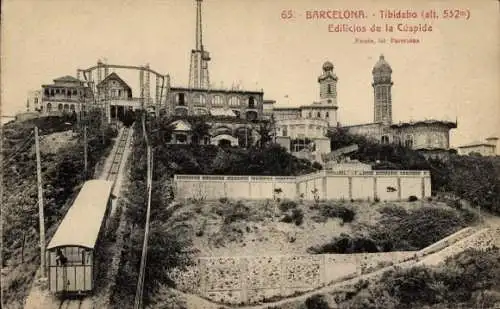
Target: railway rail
118 155
112 174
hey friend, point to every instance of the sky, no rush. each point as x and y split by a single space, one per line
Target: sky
453 73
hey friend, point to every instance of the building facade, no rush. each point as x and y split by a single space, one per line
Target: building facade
487 148
116 95
428 136
66 95
34 101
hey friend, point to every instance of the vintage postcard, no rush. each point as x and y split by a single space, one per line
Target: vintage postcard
215 154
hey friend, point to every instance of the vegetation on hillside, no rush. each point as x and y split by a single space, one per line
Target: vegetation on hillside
473 178
470 279
262 159
62 176
399 230
167 247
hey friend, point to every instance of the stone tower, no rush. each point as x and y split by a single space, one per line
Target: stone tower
328 85
382 84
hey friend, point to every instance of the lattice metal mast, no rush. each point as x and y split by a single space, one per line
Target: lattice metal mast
198 70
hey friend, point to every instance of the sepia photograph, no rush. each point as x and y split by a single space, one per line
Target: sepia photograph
217 154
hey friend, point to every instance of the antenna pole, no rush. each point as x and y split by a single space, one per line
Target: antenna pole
40 205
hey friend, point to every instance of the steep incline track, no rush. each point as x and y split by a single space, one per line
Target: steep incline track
111 174
40 297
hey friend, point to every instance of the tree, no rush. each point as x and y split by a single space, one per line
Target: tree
200 129
265 132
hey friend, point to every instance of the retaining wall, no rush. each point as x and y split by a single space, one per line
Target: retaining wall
251 279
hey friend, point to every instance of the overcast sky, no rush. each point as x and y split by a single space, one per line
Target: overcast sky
454 72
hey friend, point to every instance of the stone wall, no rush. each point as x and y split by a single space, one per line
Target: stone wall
384 185
252 279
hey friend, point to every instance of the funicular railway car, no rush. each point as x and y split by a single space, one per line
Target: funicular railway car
71 259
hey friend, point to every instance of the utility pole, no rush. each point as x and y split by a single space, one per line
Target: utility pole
85 151
40 204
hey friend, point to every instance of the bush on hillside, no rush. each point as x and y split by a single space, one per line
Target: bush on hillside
316 302
417 228
345 244
169 246
296 216
476 179
287 205
465 280
333 210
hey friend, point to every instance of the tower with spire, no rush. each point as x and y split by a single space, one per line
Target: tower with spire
198 70
328 85
382 84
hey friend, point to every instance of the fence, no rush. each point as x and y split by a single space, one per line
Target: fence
384 185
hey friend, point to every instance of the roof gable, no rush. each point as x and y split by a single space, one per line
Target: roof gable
113 76
181 125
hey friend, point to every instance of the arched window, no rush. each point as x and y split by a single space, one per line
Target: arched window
36 100
329 90
49 107
409 141
319 115
217 101
60 107
234 101
326 115
385 139
310 115
180 99
251 102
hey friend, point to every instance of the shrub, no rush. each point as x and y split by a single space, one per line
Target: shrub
337 211
412 198
317 165
287 205
316 302
297 216
233 212
345 244
223 200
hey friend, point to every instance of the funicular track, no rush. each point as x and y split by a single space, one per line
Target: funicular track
118 155
85 302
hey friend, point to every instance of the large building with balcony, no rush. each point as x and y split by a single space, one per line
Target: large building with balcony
66 95
234 115
70 95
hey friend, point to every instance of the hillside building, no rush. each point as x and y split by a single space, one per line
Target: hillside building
66 95
431 137
487 148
